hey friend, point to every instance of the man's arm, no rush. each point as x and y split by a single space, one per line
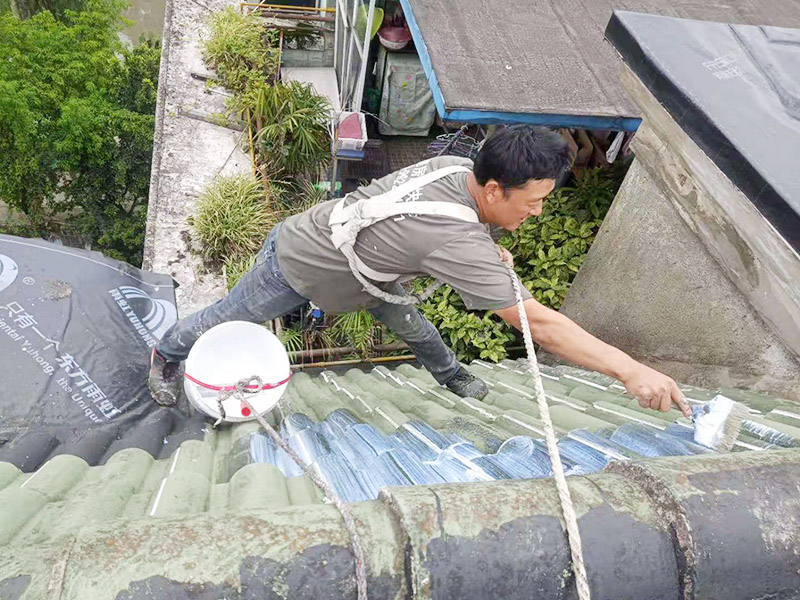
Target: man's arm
562 336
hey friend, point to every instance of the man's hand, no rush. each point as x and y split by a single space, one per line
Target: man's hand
505 256
655 390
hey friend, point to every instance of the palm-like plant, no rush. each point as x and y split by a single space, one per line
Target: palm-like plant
356 329
293 126
292 338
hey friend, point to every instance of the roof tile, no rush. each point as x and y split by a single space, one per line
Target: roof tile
363 431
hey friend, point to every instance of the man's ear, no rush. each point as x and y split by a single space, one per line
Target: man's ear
494 191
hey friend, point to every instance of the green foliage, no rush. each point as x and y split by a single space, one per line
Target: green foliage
76 125
356 329
290 120
234 268
25 9
138 85
18 227
550 249
293 137
292 338
298 195
469 334
241 50
233 218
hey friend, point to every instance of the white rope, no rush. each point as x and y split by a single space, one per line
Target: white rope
344 510
571 520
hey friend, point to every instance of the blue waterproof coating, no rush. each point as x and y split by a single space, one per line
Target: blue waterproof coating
357 460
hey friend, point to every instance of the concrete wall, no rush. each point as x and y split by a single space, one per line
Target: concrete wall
189 151
320 55
686 275
650 287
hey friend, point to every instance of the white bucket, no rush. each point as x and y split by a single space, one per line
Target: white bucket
228 353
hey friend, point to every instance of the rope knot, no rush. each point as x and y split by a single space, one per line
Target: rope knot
248 385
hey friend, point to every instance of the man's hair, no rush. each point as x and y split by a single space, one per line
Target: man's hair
516 154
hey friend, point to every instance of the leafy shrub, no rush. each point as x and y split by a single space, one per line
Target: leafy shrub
242 51
76 123
356 329
293 126
549 249
469 334
233 218
292 338
296 339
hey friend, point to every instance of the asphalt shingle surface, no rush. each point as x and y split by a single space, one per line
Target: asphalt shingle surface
551 57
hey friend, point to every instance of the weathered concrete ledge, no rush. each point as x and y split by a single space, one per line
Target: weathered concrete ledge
188 152
686 274
705 527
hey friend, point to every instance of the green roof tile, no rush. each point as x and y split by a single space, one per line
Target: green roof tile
216 475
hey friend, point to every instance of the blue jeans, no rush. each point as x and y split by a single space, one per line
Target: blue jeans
263 294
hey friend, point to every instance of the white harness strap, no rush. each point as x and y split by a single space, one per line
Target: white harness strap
347 221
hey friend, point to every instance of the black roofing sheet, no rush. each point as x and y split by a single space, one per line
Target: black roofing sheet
76 330
735 89
535 56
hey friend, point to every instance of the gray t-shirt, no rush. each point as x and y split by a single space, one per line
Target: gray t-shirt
456 252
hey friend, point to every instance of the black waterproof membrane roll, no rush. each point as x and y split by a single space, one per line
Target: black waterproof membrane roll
76 329
735 90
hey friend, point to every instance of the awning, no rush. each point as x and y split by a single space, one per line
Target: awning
545 63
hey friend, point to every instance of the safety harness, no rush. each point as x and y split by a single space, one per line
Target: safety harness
346 221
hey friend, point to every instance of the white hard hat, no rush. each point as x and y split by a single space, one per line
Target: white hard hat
229 353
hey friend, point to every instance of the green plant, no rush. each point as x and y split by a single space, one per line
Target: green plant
19 227
76 124
356 329
235 267
242 51
549 250
470 334
293 127
297 339
292 338
25 9
233 218
298 195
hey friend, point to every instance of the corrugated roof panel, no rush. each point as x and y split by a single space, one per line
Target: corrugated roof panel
363 431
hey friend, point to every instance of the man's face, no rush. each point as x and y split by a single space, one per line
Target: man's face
511 207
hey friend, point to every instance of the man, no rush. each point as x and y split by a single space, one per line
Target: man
429 219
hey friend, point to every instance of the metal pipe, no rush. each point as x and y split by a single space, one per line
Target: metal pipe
355 361
280 49
279 15
288 8
324 352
